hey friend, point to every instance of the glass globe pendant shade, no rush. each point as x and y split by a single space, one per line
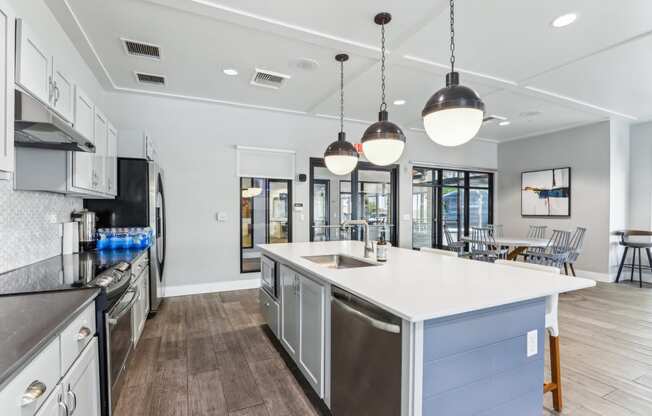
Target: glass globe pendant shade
383 142
340 157
454 114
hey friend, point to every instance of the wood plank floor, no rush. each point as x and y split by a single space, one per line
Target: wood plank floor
209 355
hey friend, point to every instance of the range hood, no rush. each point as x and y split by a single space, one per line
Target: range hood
36 125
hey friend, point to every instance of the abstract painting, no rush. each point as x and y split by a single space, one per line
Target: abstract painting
546 193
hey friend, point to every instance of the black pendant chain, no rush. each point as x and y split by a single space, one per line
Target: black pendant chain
341 96
452 46
383 105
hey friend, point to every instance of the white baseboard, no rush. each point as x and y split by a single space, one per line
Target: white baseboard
598 277
184 290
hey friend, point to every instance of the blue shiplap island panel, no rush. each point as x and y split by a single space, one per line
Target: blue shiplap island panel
477 364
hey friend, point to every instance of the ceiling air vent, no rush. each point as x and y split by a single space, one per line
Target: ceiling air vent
142 49
268 79
150 78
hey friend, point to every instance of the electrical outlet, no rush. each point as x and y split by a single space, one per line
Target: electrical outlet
532 343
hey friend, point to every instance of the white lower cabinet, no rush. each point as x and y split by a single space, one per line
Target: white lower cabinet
311 330
302 324
81 385
141 307
31 387
46 388
289 310
55 405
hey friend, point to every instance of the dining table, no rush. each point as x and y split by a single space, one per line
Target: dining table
516 245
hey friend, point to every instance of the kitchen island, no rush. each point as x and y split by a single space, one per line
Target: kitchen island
469 334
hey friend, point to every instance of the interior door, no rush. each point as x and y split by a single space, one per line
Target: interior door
278 211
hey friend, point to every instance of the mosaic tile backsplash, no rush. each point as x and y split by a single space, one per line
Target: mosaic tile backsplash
30 224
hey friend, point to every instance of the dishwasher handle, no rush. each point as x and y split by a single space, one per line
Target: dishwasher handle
376 323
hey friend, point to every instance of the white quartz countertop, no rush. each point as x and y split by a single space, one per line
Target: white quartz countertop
419 286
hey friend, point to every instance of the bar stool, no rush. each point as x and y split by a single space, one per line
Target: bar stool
552 325
635 246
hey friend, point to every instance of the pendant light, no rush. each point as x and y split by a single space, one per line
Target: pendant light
453 115
383 142
341 157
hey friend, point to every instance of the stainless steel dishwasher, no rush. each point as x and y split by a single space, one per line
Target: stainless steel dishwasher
365 358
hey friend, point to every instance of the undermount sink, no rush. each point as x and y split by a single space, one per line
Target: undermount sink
339 261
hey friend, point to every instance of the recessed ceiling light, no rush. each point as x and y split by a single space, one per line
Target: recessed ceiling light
504 123
399 102
564 20
230 71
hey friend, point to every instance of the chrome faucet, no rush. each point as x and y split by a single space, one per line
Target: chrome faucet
368 248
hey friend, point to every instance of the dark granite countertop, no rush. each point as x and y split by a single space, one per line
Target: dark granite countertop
30 321
68 271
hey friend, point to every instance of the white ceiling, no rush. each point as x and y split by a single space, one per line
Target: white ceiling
506 49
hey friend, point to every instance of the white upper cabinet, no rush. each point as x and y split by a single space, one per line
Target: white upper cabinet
33 63
101 126
112 161
83 164
7 41
63 92
84 114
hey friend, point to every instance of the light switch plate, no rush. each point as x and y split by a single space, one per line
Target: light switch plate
532 343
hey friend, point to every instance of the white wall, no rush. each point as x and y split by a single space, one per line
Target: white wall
640 207
196 146
587 151
619 189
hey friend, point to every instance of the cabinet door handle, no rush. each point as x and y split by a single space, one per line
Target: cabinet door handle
84 332
57 93
33 392
63 405
50 88
72 394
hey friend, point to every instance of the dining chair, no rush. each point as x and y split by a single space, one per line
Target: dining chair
438 251
535 232
556 252
496 230
453 244
483 245
552 326
576 245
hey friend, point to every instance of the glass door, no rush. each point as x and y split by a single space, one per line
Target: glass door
453 203
376 201
321 202
452 199
265 217
368 193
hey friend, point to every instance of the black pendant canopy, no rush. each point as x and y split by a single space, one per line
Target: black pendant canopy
454 114
383 141
341 157
453 95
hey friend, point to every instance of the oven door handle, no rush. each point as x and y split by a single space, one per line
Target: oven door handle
113 319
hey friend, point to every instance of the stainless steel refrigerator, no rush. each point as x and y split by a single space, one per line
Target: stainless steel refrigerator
140 203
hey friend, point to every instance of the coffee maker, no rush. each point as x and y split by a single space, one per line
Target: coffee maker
86 220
